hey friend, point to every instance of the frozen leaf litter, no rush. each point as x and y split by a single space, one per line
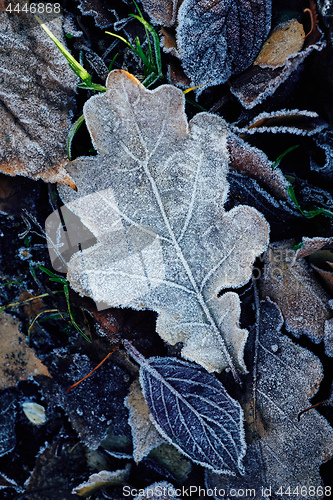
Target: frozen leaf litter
36 98
153 198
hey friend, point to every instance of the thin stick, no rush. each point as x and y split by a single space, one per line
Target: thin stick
312 21
96 367
313 406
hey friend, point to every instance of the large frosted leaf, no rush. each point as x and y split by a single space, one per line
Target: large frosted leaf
154 200
282 451
219 38
194 412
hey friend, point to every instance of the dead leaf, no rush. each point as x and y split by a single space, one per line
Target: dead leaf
325 142
169 457
101 10
255 84
312 245
93 406
281 215
162 11
18 361
37 94
292 285
57 465
286 39
160 184
282 451
102 479
291 121
145 435
255 163
169 41
327 276
217 39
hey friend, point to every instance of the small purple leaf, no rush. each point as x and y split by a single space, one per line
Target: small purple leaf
193 411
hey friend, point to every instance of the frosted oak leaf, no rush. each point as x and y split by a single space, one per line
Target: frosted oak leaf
153 198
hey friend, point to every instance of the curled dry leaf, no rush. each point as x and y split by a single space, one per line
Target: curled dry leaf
291 121
292 285
162 11
145 435
325 142
102 479
37 90
327 276
286 39
281 215
282 451
153 198
17 360
312 245
256 84
101 10
217 39
254 162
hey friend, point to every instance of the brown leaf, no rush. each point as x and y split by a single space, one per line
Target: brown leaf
292 285
56 467
327 276
145 435
102 479
162 11
169 41
286 39
291 121
282 451
37 93
255 163
312 245
254 85
17 360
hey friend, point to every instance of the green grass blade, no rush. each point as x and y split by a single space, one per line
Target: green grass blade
150 52
112 62
309 214
141 54
123 40
74 128
92 86
150 79
53 276
76 67
279 158
73 323
156 40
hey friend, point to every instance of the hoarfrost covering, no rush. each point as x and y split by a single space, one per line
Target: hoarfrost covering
154 200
